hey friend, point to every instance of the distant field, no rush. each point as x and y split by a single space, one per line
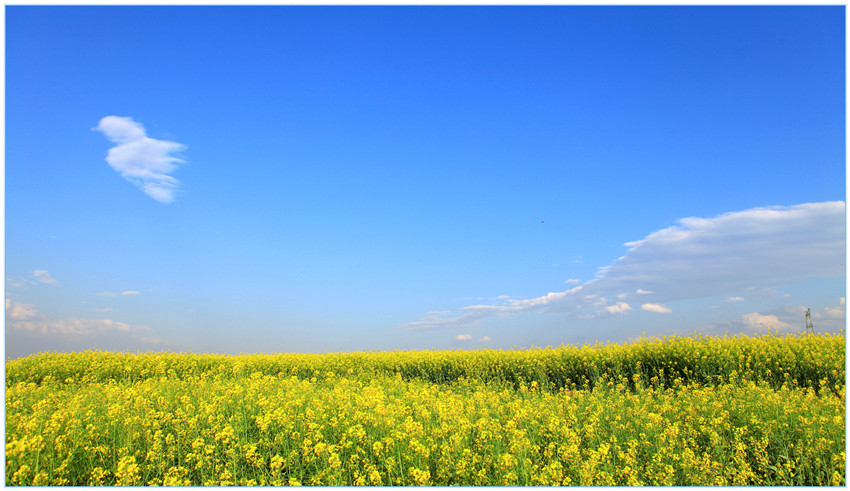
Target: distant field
679 411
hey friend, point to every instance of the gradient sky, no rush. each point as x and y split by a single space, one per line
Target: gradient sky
310 179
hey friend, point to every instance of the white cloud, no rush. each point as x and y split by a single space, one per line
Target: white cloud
19 312
26 317
789 319
484 339
735 299
618 308
759 321
654 307
697 258
130 294
463 337
44 277
572 281
832 313
144 161
761 247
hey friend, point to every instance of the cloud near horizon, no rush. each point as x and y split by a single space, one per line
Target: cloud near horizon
26 317
784 319
696 258
144 161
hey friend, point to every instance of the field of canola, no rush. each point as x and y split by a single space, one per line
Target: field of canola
759 410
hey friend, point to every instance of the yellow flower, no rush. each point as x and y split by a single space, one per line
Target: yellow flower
420 477
96 476
127 473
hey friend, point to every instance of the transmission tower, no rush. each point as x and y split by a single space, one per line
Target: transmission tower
809 327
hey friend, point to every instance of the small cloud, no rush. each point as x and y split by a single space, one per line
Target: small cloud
759 321
735 299
15 283
572 281
618 308
44 277
103 310
834 312
654 307
144 161
20 312
485 339
130 294
463 337
640 291
787 295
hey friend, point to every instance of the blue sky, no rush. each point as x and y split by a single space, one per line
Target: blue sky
309 179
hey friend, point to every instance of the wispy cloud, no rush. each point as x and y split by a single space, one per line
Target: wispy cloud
15 283
696 258
463 337
26 317
37 276
735 299
144 161
44 277
129 293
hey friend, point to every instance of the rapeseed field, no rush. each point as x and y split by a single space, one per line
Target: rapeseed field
674 411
